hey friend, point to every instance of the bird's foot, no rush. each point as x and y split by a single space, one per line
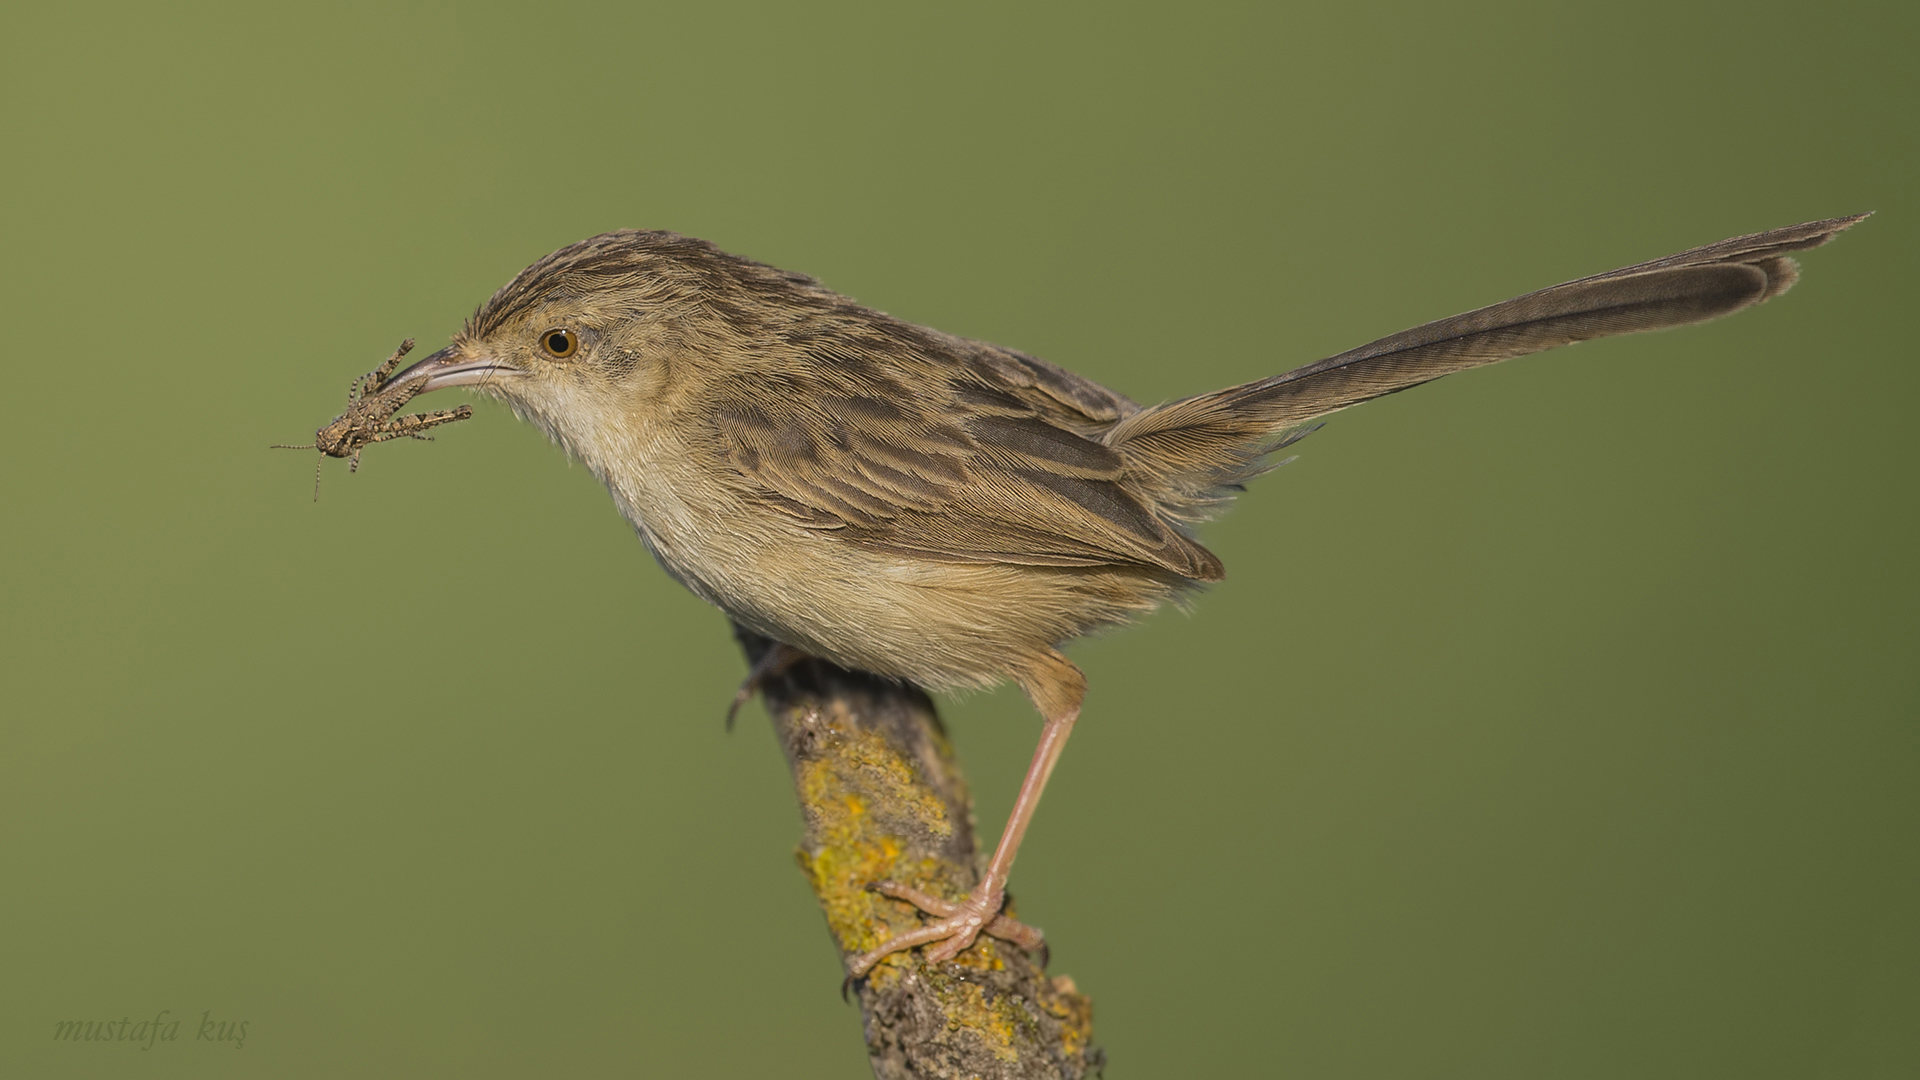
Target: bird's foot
775 661
956 926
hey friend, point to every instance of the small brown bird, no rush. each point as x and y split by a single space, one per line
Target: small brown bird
940 510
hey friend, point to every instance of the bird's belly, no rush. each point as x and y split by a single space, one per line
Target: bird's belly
941 625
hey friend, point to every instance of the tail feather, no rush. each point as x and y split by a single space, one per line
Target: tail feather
1199 444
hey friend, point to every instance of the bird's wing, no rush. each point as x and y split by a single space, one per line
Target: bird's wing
959 452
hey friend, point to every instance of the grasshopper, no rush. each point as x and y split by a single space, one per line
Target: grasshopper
371 403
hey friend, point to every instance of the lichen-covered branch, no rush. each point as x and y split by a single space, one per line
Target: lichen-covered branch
882 798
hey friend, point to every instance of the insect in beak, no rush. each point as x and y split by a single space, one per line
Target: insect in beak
372 400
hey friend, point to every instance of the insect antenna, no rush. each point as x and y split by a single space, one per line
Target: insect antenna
315 445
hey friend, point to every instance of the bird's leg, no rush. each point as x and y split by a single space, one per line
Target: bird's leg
1056 688
772 663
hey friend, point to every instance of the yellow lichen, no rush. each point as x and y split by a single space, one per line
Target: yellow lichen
867 808
996 1021
849 852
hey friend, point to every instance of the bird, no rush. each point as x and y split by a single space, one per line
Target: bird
940 510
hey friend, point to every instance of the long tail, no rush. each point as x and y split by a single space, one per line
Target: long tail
1200 443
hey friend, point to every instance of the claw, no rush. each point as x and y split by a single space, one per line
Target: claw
741 697
771 663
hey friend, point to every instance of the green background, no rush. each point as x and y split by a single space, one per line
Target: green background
1555 720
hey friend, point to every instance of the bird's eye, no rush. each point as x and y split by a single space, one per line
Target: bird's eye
560 343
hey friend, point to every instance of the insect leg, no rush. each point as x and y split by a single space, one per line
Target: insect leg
378 378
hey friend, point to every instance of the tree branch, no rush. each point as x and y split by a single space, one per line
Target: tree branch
882 797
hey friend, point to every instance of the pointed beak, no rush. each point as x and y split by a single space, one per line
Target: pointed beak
452 366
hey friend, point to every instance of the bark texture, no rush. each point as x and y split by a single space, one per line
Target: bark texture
882 797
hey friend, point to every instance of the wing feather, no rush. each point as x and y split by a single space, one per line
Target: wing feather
990 456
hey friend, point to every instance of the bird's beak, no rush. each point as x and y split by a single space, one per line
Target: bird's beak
453 366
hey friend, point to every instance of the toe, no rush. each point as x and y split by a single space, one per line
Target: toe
919 898
953 946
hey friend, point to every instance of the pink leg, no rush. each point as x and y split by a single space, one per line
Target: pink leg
1056 688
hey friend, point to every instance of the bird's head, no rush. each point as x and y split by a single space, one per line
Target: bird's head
601 337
